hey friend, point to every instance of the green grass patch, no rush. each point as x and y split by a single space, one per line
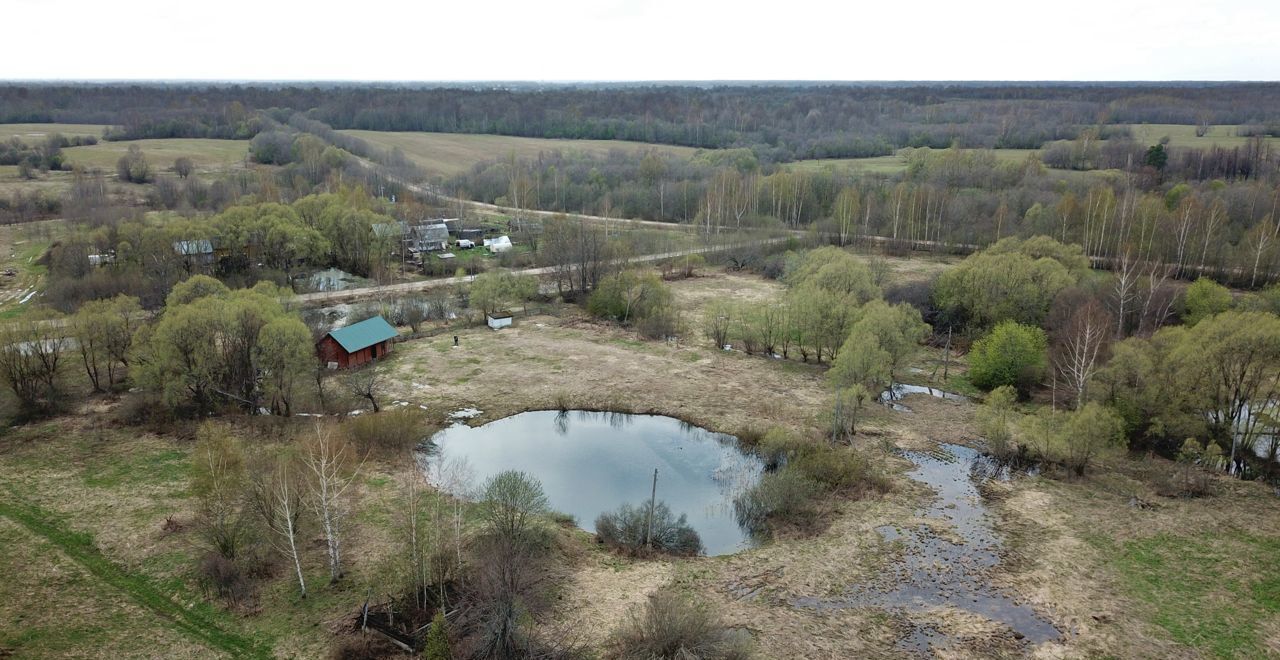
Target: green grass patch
198 620
160 467
1209 592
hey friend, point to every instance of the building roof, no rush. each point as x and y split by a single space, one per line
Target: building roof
363 334
431 233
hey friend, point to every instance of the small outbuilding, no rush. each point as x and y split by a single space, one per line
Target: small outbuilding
357 343
499 244
499 319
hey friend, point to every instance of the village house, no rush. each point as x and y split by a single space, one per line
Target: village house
356 344
428 238
197 255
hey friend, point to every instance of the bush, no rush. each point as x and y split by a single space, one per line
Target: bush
225 578
1191 478
436 646
388 433
630 296
784 495
671 625
840 469
1205 298
1012 354
1074 439
625 530
995 419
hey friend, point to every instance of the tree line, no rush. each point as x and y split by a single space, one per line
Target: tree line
778 122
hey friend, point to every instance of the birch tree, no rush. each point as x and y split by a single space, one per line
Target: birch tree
1081 347
278 496
331 468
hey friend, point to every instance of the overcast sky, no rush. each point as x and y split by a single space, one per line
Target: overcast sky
575 40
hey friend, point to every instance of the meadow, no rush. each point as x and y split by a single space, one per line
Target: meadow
206 154
446 154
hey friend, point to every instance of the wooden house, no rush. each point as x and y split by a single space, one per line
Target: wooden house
356 344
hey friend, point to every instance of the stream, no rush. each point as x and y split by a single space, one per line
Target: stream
935 571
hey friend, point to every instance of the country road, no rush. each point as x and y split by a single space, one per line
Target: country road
321 298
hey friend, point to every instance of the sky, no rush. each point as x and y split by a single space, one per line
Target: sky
639 40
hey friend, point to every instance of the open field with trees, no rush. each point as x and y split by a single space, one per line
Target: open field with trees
129 492
447 154
38 132
1006 389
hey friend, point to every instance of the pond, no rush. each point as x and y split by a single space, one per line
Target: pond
590 463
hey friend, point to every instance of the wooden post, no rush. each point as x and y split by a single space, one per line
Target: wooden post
653 496
946 361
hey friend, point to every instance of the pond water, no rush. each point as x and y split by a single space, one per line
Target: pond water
892 396
934 570
590 463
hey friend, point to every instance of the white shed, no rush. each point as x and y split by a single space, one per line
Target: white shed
499 244
500 319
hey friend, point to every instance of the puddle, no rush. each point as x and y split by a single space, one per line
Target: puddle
939 571
892 396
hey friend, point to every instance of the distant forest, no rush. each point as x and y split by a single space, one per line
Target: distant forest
778 123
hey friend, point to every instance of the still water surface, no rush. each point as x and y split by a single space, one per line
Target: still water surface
590 463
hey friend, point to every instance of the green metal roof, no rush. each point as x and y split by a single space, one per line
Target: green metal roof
363 334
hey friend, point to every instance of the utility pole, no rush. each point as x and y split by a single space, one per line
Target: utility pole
653 496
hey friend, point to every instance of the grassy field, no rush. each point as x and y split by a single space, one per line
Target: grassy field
207 154
1183 135
32 133
447 154
20 247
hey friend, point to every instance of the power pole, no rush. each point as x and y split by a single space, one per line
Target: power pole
653 496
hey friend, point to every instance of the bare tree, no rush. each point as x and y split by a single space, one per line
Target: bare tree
331 467
1081 347
365 383
278 498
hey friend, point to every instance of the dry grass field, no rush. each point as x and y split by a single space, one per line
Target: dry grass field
1184 135
446 154
32 133
207 154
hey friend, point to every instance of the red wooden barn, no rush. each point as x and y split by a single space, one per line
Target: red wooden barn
356 344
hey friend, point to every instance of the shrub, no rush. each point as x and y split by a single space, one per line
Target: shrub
626 528
510 503
225 578
1190 478
786 494
630 296
839 469
1075 438
1205 298
388 433
671 625
995 419
436 646
1012 354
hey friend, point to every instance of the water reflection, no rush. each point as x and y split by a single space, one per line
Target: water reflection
894 394
592 462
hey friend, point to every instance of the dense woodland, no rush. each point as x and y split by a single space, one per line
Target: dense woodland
778 122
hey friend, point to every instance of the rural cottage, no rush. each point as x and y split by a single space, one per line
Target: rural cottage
356 344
